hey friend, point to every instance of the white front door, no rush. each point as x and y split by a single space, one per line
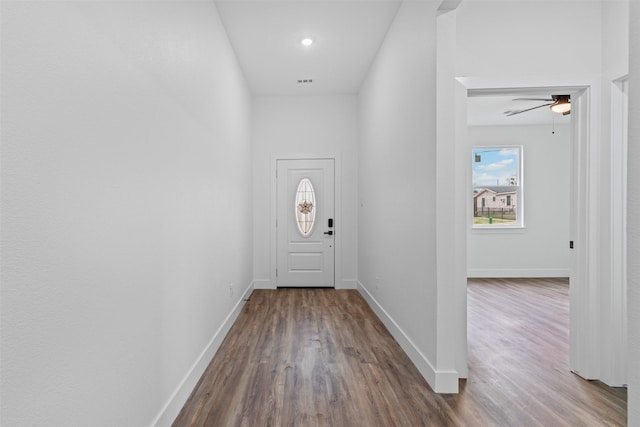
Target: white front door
305 223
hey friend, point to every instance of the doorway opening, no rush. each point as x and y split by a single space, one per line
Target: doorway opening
582 319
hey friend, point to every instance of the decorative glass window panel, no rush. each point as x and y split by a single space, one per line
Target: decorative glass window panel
497 187
305 206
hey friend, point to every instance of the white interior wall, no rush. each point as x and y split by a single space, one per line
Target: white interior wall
541 248
615 65
307 126
633 236
452 175
397 189
126 206
589 58
520 39
615 39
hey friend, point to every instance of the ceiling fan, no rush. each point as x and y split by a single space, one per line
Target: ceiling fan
558 104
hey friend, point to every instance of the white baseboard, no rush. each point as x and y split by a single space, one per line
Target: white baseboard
347 284
480 273
340 284
440 381
264 284
177 400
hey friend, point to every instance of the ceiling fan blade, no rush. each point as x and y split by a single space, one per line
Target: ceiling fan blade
533 99
513 113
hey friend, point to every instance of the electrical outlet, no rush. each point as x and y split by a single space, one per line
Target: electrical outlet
377 283
230 289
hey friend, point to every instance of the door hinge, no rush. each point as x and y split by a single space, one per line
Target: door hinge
276 272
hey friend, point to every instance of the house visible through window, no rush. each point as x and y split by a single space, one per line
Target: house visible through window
497 187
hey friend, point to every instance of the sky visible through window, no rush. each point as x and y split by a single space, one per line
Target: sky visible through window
495 166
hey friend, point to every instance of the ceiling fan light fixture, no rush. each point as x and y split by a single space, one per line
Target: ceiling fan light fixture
561 106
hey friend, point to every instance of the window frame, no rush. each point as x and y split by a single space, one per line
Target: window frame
519 194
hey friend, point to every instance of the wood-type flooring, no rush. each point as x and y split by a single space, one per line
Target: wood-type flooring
321 357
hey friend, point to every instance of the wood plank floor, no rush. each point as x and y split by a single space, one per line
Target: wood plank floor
518 341
320 357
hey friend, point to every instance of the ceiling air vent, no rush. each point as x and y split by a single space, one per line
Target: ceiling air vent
303 81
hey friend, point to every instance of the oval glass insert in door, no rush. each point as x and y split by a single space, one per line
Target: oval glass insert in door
305 205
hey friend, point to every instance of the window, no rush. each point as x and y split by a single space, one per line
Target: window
497 187
305 206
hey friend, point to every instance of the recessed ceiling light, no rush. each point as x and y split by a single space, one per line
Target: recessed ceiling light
306 41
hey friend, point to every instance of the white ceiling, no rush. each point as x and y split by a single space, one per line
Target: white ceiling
347 34
266 37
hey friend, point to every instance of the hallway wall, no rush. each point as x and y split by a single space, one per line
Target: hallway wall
307 126
397 181
126 205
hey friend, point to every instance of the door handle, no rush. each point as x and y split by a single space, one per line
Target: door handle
330 232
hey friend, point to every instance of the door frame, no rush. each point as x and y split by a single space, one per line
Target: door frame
585 314
615 371
337 194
